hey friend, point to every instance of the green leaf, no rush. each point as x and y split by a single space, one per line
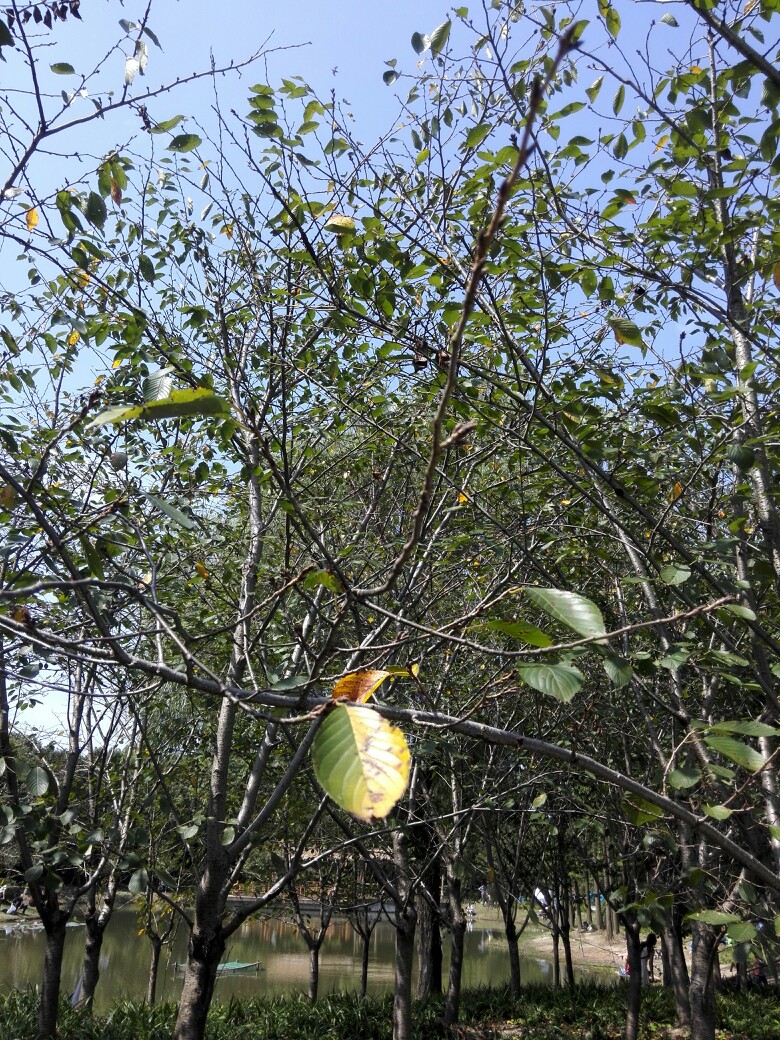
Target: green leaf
146 268
626 331
669 19
184 143
439 37
539 801
36 782
35 873
95 210
361 760
639 811
292 682
593 90
570 608
619 98
167 124
716 917
187 831
747 727
674 575
323 578
389 77
178 404
171 511
6 39
717 812
561 681
139 882
682 779
157 386
62 68
477 135
420 42
613 22
742 754
618 670
517 630
742 931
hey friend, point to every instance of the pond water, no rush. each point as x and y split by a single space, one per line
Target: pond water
275 943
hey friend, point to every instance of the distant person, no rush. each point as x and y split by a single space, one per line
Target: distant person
25 903
647 955
483 893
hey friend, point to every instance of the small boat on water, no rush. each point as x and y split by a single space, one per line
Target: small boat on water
226 967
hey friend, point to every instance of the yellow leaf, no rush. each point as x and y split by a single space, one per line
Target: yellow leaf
462 497
117 362
228 229
83 278
32 219
565 501
662 141
116 192
676 491
776 274
73 338
695 68
415 668
359 686
201 569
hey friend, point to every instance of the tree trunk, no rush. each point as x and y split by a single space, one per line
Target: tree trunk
702 988
452 1000
556 937
514 957
365 952
52 973
671 938
634 995
405 920
205 950
93 944
404 954
429 955
154 967
314 973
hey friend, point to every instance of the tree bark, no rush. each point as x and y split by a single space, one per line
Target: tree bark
634 994
671 937
314 973
52 972
93 944
365 953
429 954
514 956
404 954
405 920
702 988
205 950
154 968
458 921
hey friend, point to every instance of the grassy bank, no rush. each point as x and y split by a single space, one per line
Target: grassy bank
591 1012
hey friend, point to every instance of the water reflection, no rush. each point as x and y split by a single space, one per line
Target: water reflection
124 962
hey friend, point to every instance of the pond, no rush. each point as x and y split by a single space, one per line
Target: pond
275 943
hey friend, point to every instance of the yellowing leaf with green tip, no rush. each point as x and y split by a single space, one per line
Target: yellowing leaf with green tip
361 761
359 686
339 224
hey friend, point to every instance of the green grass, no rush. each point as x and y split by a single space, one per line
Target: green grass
591 1012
